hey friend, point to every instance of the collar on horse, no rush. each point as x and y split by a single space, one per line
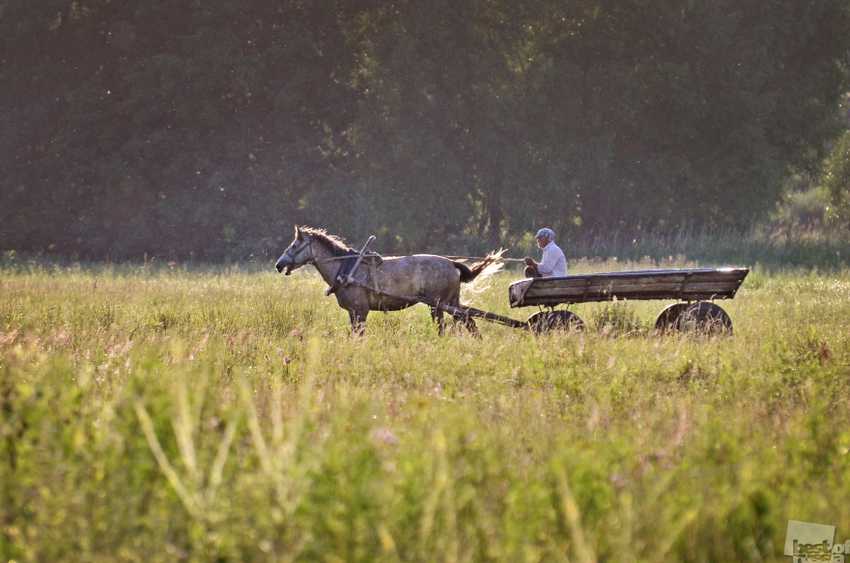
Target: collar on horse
350 263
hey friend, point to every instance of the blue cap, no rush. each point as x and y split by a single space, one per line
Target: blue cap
545 232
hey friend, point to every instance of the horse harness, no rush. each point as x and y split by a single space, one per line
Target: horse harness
350 263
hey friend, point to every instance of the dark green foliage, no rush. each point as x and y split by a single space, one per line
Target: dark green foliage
836 179
206 129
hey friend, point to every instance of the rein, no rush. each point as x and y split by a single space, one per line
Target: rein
346 257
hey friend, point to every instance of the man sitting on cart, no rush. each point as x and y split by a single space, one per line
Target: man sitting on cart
553 263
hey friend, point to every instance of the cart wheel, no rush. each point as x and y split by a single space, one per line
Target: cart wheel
546 321
706 318
668 319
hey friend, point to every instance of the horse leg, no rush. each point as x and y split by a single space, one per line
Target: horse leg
437 317
468 322
358 321
470 325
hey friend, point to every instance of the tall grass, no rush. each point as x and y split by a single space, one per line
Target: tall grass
223 414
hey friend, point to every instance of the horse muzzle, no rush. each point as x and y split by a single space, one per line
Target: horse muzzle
284 264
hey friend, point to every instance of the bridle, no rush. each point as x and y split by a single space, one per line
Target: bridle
308 245
294 254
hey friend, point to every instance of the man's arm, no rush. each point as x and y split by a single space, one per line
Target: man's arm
547 265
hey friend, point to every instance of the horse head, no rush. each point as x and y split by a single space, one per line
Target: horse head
298 253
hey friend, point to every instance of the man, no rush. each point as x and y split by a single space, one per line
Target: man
553 264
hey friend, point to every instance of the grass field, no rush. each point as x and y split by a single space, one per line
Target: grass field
225 414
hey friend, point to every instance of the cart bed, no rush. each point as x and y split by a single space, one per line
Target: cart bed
695 284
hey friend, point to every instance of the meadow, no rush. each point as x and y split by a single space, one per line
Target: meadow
162 413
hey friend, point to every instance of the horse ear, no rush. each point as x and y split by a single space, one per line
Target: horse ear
298 235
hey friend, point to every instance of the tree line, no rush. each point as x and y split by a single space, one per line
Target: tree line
207 129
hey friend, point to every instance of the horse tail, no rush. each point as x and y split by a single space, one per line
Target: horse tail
467 273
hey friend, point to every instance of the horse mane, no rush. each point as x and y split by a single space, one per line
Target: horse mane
335 244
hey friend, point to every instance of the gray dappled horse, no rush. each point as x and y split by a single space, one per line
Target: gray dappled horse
381 284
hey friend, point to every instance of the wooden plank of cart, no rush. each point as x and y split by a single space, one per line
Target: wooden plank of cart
694 289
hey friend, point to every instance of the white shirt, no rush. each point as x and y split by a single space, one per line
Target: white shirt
554 263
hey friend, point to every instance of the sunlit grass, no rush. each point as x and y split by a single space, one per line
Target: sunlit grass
226 414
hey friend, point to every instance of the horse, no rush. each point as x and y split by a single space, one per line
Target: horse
381 283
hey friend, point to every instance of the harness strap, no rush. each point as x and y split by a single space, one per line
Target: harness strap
309 245
345 273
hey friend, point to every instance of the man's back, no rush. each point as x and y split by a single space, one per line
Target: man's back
554 263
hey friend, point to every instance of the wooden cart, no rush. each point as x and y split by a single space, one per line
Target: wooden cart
695 289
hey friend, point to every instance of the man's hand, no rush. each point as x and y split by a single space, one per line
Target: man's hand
531 270
530 261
